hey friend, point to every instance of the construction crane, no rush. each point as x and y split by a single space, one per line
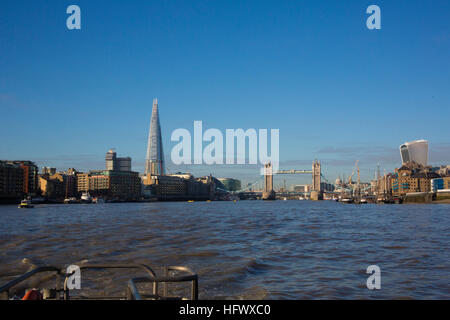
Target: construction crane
353 173
357 191
359 178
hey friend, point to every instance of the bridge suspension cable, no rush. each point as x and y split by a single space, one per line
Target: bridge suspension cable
250 185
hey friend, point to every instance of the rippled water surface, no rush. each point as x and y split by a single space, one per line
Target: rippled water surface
247 249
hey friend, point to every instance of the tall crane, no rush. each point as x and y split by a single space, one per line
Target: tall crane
358 184
353 173
359 178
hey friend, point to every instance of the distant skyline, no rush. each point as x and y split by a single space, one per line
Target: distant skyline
337 91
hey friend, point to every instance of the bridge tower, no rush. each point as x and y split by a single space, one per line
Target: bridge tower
316 193
316 173
268 193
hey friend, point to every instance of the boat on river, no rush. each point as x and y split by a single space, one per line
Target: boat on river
25 204
86 197
70 200
98 200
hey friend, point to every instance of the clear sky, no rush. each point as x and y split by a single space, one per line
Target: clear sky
336 90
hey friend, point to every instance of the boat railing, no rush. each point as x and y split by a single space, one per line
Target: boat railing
187 275
143 267
5 289
132 291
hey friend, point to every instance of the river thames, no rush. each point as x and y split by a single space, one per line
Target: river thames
244 249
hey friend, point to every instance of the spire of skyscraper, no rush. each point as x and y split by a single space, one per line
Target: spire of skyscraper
154 161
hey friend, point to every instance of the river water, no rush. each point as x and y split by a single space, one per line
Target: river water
245 249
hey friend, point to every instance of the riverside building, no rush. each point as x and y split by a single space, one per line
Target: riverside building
17 179
117 182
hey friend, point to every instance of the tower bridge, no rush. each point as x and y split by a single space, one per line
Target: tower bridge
268 193
316 172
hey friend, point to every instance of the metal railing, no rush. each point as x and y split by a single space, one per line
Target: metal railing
144 267
4 290
132 291
188 276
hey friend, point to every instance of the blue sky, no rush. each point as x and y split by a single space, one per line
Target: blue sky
336 90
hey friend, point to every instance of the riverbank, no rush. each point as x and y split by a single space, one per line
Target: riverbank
441 201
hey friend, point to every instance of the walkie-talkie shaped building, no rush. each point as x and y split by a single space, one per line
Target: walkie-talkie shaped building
416 151
154 161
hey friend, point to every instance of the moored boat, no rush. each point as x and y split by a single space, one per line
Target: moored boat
25 204
70 200
86 197
98 200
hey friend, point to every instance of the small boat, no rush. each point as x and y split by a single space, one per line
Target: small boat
70 200
97 200
346 200
25 204
86 197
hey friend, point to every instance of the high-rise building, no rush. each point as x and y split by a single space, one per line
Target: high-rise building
117 182
18 178
110 160
154 161
30 176
324 186
231 184
48 170
117 164
11 180
416 151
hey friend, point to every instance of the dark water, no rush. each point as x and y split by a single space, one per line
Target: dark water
247 249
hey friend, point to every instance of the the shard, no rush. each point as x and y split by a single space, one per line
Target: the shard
154 161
